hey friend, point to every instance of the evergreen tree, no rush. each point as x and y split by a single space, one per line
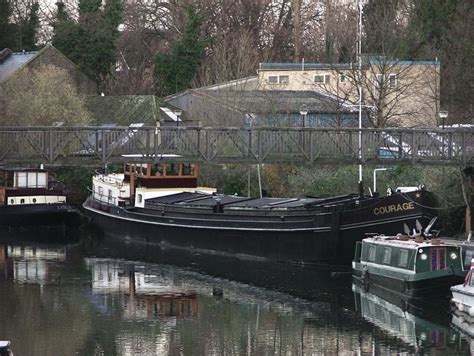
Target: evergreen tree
176 71
6 29
29 29
91 41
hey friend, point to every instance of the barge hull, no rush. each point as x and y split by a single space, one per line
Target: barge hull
30 215
326 244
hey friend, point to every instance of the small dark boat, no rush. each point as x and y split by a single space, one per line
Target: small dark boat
5 348
161 203
411 266
28 199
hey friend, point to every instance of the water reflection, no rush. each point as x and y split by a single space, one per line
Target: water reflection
143 294
123 299
26 264
394 318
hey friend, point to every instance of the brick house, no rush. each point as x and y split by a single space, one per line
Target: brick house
11 63
395 93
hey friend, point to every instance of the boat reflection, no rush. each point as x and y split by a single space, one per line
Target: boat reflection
465 324
399 318
145 294
25 264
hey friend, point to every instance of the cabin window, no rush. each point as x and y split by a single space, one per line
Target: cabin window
21 179
101 190
188 169
157 170
110 194
34 200
387 255
12 201
172 169
403 258
22 201
140 198
438 259
371 253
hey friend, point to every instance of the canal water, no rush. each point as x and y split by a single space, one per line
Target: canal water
94 296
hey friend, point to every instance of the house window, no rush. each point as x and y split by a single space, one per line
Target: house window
342 78
387 255
403 258
378 81
392 80
273 79
279 79
371 253
322 78
284 79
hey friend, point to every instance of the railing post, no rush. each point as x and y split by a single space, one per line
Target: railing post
50 153
207 144
103 146
414 148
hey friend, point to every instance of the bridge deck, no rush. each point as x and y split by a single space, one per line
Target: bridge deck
76 145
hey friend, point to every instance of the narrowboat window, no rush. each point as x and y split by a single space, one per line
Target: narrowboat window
32 179
438 259
42 180
188 169
21 180
387 255
12 201
157 170
22 201
34 200
371 253
110 194
403 258
10 179
172 169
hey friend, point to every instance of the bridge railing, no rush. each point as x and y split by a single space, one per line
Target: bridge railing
72 145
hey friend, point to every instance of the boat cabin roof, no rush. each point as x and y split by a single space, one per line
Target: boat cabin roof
209 200
23 170
395 241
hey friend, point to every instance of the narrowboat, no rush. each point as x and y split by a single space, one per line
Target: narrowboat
463 294
28 198
160 202
411 266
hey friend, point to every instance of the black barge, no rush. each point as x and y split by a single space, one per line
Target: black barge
161 203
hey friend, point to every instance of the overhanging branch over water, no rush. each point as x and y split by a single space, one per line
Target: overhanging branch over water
100 145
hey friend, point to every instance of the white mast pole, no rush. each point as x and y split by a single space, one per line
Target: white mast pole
359 54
